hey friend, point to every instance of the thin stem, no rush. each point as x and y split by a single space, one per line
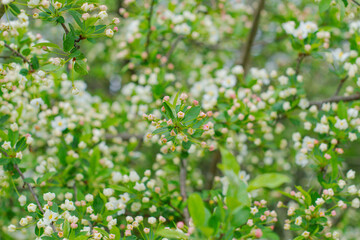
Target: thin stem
30 188
255 24
183 173
340 86
172 48
300 59
336 99
149 27
19 55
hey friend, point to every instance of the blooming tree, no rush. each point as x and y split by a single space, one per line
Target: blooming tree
193 119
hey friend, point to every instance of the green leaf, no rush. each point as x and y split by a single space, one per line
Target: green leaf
197 209
35 62
236 195
4 160
169 233
94 160
14 9
103 232
20 145
47 44
229 161
192 114
80 67
341 110
161 130
13 137
240 216
69 41
324 5
306 195
268 180
168 111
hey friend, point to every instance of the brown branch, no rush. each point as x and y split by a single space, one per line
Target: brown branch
213 168
30 188
340 86
300 59
183 173
356 3
147 43
172 48
246 57
65 28
350 98
19 55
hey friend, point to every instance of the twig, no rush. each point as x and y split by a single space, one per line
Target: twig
183 172
340 86
149 27
300 59
213 168
336 99
19 55
30 188
172 48
252 35
65 28
356 2
176 209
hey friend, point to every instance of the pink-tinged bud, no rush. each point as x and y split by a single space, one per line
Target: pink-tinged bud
183 96
116 29
169 122
339 150
128 232
181 115
83 203
258 233
166 98
144 116
126 15
195 102
316 141
327 156
203 144
211 148
241 116
257 203
163 109
333 213
209 113
292 193
233 95
262 217
267 213
164 140
77 203
144 55
158 56
50 203
180 225
170 66
325 192
73 225
122 226
251 118
153 28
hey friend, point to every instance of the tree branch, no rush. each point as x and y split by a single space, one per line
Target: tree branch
183 173
19 55
147 43
172 48
340 86
246 57
336 99
300 59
